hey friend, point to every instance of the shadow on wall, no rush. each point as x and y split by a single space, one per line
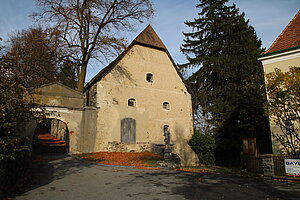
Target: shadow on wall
121 73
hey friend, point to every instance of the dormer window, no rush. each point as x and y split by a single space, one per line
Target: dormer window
166 105
149 77
131 102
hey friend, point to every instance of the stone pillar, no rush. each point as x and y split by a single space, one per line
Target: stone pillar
52 126
267 164
63 131
59 130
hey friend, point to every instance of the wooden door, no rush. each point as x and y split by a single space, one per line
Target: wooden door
128 126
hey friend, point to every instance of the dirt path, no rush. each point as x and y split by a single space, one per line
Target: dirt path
64 177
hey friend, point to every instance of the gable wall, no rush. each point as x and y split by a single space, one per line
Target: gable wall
128 80
57 95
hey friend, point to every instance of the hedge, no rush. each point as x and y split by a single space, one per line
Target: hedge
13 167
204 146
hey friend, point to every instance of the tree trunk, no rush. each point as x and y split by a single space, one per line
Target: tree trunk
81 77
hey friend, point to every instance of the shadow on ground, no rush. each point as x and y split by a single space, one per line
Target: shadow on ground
217 186
49 164
57 176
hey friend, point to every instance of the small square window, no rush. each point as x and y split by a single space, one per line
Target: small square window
149 77
131 102
166 106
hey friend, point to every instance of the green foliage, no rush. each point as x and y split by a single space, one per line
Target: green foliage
9 144
13 166
14 107
14 162
67 74
283 107
204 146
228 83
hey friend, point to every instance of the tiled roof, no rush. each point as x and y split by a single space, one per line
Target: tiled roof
148 37
289 37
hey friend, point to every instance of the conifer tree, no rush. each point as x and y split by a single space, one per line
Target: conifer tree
229 81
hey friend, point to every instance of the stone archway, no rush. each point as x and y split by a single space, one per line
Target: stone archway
59 130
51 135
63 103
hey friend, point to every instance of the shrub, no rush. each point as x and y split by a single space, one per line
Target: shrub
204 146
14 162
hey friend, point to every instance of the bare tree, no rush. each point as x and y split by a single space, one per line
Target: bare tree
90 27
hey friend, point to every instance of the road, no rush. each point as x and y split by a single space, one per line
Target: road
61 177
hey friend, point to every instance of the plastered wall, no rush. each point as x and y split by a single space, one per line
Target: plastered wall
128 80
283 63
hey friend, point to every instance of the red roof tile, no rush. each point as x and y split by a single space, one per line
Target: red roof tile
289 37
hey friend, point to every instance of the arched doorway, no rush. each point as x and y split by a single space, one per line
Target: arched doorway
51 136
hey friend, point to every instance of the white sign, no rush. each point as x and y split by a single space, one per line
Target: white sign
292 167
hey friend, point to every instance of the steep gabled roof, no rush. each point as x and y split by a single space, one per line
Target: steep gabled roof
148 38
289 37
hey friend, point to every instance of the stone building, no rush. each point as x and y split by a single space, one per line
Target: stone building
129 104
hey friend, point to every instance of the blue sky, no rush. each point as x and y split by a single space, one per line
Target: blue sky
268 17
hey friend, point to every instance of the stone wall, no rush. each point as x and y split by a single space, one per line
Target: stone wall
58 129
120 147
267 164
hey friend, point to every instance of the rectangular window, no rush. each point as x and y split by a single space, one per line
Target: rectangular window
149 77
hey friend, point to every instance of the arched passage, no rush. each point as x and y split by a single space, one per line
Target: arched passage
51 136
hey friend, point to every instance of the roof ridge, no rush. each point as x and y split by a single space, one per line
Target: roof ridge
58 83
157 44
149 37
282 32
137 40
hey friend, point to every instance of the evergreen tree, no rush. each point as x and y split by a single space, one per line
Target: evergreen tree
229 81
67 74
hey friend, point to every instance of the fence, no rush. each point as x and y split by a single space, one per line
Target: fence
279 169
251 163
267 164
